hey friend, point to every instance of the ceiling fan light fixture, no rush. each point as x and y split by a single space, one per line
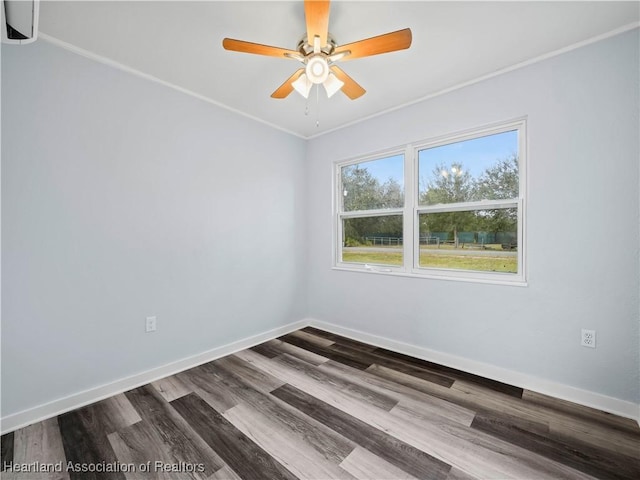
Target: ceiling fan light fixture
332 85
317 69
302 85
318 51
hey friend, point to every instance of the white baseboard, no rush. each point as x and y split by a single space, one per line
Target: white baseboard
565 392
62 405
66 404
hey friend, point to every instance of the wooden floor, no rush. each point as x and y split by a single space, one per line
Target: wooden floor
315 405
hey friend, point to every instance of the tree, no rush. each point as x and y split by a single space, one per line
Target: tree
445 185
392 194
448 185
499 181
362 191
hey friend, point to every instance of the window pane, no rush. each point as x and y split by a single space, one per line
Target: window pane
484 168
373 185
374 240
481 240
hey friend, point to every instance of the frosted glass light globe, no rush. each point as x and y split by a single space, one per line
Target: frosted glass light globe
317 69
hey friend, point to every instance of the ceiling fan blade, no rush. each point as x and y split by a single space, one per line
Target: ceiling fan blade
287 87
351 88
258 49
389 42
316 13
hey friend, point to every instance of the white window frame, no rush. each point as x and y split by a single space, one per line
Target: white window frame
342 215
412 209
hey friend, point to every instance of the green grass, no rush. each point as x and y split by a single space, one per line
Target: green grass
384 258
467 246
483 264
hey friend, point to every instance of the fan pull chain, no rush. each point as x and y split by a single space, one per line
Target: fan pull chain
317 106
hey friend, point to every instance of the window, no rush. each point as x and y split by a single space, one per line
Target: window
449 208
371 211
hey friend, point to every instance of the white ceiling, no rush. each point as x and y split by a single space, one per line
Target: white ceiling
453 42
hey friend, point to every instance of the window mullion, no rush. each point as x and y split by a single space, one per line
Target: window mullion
371 213
409 203
337 241
469 206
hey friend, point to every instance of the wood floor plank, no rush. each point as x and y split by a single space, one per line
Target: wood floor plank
480 461
375 358
85 443
482 400
305 379
139 444
109 415
346 386
142 443
247 373
268 365
560 424
596 435
327 352
457 474
573 410
339 339
410 381
121 411
266 349
279 347
321 333
299 428
237 450
173 429
297 456
475 397
452 372
225 473
392 450
171 388
506 406
40 442
480 454
41 474
364 465
309 337
608 465
324 391
6 442
204 383
419 401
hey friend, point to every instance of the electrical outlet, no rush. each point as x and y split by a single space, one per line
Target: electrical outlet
588 338
150 325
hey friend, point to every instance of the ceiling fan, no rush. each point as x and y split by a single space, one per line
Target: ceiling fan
318 51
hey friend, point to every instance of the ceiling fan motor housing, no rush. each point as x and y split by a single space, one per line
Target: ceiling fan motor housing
305 48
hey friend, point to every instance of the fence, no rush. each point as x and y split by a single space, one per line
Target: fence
430 240
384 240
436 238
509 239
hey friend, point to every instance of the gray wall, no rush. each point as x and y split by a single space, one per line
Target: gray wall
122 198
582 110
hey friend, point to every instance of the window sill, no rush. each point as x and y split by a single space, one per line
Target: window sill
455 278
